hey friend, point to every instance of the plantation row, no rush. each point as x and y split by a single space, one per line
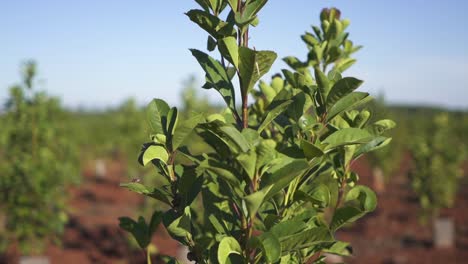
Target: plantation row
265 181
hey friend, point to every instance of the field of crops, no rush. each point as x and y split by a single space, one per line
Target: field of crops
302 165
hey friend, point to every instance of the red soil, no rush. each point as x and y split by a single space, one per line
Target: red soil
391 234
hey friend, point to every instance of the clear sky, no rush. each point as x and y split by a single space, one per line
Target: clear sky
97 53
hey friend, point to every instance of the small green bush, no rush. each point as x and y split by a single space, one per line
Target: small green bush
277 184
37 163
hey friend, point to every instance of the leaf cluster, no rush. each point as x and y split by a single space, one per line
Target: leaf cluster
278 183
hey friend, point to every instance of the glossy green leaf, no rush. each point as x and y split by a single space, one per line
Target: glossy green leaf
172 119
342 88
230 135
211 24
153 152
153 193
252 66
156 112
345 215
255 200
322 82
139 230
230 50
267 91
379 127
288 228
249 13
376 143
340 248
306 239
274 110
347 136
217 77
319 196
271 247
281 178
248 161
364 195
348 102
228 246
156 219
211 43
310 150
178 226
185 129
221 170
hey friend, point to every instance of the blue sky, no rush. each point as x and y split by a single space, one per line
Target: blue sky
97 53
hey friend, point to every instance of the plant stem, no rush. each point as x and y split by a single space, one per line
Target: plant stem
148 257
245 111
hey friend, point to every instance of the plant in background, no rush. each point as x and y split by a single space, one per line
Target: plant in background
37 165
127 121
437 158
277 184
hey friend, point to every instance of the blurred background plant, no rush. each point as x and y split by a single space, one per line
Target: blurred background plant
38 162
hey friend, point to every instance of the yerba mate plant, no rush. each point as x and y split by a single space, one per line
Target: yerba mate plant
437 158
37 163
277 182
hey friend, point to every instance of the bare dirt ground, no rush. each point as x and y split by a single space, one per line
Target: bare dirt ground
390 235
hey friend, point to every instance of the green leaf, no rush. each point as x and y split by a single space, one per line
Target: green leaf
153 152
211 24
322 82
347 136
348 102
319 196
228 47
203 4
379 127
233 4
310 39
343 65
215 4
295 63
185 129
288 228
376 143
248 160
267 91
141 189
228 246
340 248
344 215
342 88
271 247
211 43
358 201
281 177
249 13
172 118
223 171
273 111
217 77
156 219
252 66
230 135
306 239
310 150
255 200
364 196
139 230
178 226
157 111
